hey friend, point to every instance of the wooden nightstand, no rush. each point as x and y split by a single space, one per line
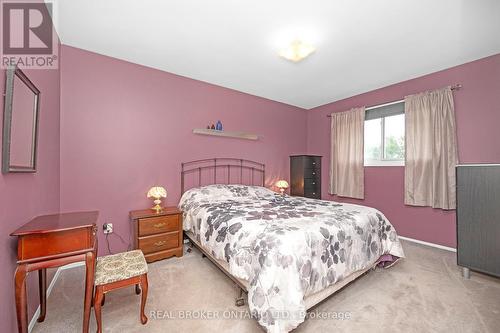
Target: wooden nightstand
158 235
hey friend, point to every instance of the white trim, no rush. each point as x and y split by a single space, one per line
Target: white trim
380 163
50 287
385 104
442 247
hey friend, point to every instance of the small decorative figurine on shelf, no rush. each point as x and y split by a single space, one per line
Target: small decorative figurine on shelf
218 126
212 127
208 126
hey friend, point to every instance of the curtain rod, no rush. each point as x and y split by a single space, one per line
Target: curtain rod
453 87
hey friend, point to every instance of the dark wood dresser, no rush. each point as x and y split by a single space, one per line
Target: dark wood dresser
305 176
158 235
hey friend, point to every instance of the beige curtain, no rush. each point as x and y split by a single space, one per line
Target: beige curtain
346 153
431 149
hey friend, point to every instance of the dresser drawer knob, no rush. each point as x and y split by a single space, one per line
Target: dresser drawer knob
160 243
159 225
314 183
314 173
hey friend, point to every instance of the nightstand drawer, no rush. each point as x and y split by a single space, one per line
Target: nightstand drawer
156 225
159 242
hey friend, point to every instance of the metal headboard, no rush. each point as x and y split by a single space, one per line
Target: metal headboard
229 164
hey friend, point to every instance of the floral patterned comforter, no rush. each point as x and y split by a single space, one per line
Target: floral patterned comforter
285 247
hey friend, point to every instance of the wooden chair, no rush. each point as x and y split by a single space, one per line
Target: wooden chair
118 271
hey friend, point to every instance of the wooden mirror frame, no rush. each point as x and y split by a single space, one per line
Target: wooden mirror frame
11 74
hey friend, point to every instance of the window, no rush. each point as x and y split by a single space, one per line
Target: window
385 135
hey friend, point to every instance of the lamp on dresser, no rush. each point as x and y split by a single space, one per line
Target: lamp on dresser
282 185
157 192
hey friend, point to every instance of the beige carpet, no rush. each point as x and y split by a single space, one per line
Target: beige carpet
423 293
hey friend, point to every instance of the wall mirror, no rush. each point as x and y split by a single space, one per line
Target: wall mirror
20 123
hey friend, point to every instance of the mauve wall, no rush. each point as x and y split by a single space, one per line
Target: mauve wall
125 128
477 107
24 196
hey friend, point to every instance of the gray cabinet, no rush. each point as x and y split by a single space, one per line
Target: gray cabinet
478 218
305 176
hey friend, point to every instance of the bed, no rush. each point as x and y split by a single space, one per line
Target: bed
287 253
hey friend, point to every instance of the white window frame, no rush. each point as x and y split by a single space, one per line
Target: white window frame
383 162
379 163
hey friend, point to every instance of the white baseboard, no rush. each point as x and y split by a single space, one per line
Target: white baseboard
50 287
442 247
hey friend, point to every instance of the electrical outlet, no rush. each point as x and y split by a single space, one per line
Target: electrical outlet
107 228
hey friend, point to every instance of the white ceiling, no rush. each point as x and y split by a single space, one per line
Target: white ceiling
361 44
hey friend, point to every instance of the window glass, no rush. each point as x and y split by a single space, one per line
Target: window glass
394 138
385 135
373 139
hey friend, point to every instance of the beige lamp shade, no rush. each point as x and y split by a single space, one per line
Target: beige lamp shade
157 192
282 184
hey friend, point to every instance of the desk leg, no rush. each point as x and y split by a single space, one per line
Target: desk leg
21 305
42 288
89 288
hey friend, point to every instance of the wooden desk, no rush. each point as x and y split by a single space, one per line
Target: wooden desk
52 241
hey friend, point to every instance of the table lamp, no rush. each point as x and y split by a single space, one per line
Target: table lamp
157 192
282 185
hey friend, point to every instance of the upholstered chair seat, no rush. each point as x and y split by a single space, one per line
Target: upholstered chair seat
119 271
121 266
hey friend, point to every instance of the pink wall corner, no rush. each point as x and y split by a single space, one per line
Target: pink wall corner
477 107
125 128
24 196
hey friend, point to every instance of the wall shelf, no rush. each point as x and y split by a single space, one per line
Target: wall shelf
237 135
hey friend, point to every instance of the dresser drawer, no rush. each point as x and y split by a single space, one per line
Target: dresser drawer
159 242
39 245
312 162
312 173
312 188
156 225
312 178
312 193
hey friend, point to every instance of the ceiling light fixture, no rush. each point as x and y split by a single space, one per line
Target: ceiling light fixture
297 51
